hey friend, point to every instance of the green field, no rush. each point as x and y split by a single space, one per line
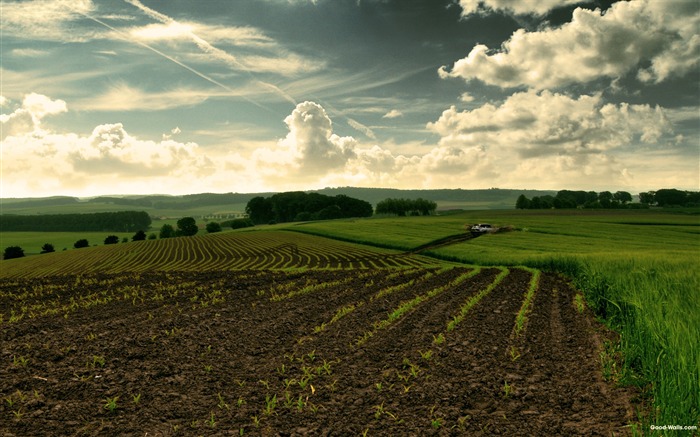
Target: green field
32 242
639 270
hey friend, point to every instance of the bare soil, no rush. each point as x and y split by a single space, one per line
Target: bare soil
256 366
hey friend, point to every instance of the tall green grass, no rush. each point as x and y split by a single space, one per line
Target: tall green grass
654 304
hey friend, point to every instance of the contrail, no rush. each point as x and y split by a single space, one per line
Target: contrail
170 58
206 47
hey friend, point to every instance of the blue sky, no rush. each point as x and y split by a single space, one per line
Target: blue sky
146 96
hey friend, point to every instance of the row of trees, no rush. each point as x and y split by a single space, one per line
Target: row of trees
404 207
670 197
606 199
575 199
300 206
121 221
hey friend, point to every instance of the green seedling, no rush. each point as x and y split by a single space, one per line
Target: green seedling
514 354
427 355
20 361
507 389
111 404
270 405
136 398
378 386
211 421
222 403
439 339
98 361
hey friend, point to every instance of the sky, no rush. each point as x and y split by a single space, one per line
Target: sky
102 97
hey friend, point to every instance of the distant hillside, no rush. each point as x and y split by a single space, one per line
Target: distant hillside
198 204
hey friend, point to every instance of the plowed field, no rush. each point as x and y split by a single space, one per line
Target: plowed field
378 351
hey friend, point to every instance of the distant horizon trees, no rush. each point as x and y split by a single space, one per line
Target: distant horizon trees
605 199
301 206
120 221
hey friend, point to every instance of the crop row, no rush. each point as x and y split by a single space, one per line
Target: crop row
225 251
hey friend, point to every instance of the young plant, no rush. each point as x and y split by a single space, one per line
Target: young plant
513 352
270 405
136 398
439 339
507 389
111 404
211 421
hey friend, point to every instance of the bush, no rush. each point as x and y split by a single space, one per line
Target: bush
139 236
81 243
112 239
47 248
13 252
213 227
239 223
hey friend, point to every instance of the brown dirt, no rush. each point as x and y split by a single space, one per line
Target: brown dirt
179 367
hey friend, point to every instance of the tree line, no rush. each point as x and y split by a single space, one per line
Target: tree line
121 221
605 199
404 207
301 206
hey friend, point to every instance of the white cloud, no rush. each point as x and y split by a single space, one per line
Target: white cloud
550 140
312 153
37 159
27 118
310 148
546 123
394 113
538 7
270 57
45 19
594 44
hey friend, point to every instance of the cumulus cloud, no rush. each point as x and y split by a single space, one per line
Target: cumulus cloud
312 152
594 44
552 140
27 118
522 7
34 157
310 147
545 123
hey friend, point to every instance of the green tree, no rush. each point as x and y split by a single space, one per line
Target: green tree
671 197
47 248
259 209
13 252
647 198
167 231
111 239
605 198
622 197
152 236
213 227
81 243
139 236
187 227
522 202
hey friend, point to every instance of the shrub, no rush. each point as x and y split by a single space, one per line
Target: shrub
13 252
